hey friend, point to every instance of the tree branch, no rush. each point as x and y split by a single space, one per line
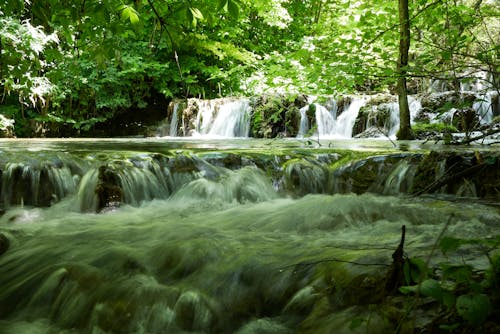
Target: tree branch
394 26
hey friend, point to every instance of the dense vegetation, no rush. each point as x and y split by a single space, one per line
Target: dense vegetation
73 64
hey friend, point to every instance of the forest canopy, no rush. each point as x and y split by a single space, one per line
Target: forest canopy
83 62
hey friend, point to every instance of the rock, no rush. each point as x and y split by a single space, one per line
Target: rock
439 102
472 174
4 243
368 174
375 113
465 119
306 176
371 132
108 190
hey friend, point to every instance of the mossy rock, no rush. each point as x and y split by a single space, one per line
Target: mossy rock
306 176
441 102
453 172
465 120
366 174
109 191
275 116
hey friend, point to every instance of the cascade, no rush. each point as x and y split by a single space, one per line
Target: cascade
215 240
345 122
232 120
174 121
204 117
484 107
304 122
329 125
214 118
325 120
392 127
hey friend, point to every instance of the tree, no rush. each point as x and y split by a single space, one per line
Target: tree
404 47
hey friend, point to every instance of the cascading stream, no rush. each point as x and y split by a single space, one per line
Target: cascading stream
225 241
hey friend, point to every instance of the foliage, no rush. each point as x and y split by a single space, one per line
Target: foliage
275 116
459 288
82 62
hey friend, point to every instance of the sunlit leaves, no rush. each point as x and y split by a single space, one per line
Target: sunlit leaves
233 8
129 13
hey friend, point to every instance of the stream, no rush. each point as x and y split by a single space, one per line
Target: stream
213 236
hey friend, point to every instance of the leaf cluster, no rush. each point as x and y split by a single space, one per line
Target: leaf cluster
471 295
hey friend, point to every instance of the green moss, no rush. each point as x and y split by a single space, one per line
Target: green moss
350 156
433 127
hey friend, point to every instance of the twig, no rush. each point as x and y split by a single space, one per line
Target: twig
307 264
482 136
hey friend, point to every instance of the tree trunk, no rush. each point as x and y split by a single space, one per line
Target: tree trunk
404 47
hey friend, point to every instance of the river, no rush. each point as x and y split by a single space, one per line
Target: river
221 249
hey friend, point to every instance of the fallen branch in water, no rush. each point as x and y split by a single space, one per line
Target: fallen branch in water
447 179
332 259
472 139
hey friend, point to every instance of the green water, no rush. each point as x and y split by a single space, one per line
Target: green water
217 256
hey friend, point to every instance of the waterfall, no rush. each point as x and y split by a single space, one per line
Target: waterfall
37 184
174 121
222 118
304 122
484 108
325 121
206 111
345 122
393 126
232 120
329 125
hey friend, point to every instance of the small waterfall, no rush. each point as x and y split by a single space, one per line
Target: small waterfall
206 111
325 121
484 108
392 126
328 124
223 118
174 121
345 122
37 184
304 122
232 120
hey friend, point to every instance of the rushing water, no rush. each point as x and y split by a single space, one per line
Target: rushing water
222 252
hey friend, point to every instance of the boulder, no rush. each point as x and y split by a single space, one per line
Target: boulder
108 190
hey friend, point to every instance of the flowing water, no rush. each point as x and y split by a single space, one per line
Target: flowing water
214 249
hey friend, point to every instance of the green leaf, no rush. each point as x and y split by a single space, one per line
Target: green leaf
448 244
233 8
432 288
418 269
129 13
196 13
222 5
474 308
